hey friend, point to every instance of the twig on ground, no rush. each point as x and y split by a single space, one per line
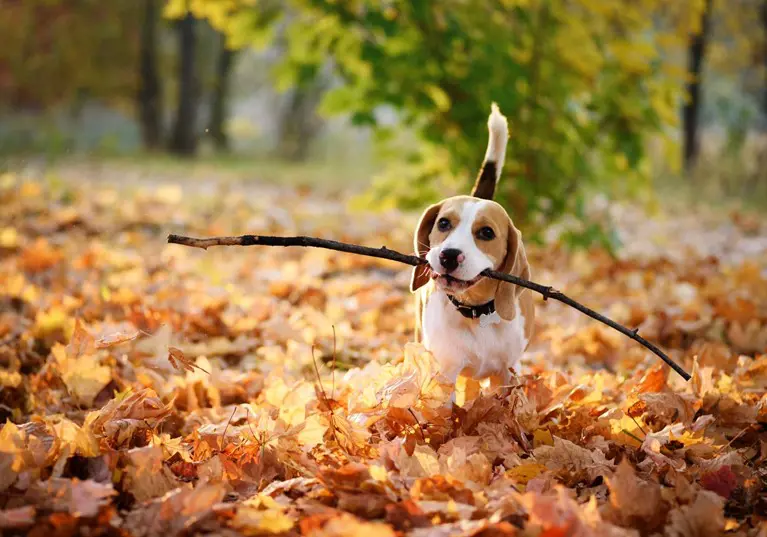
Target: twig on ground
384 253
223 435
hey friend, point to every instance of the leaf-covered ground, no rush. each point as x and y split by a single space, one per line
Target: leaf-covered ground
149 389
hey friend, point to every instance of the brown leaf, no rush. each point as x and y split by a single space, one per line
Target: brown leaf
364 505
346 525
116 338
723 481
142 406
180 362
39 256
572 462
439 488
637 409
668 408
702 518
500 529
406 515
75 497
634 502
18 518
348 477
173 512
146 477
654 380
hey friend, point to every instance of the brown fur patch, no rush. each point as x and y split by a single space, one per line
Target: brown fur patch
506 251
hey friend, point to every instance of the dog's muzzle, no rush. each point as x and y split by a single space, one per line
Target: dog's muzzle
450 259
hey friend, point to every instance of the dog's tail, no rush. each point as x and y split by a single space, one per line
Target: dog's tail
490 172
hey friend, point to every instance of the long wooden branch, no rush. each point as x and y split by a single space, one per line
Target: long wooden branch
385 253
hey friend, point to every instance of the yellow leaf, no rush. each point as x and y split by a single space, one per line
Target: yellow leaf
525 472
542 437
47 322
251 521
81 441
312 432
9 237
79 368
10 379
85 378
378 473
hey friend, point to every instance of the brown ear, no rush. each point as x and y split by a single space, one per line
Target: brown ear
507 295
420 275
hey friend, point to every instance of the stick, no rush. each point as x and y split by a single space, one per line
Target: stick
385 253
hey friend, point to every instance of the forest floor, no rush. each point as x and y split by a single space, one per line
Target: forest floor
151 389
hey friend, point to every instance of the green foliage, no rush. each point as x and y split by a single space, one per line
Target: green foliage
584 83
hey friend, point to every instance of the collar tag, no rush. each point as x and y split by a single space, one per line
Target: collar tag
489 319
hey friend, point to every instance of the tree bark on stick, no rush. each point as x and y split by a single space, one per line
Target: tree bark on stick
691 114
184 138
150 90
384 253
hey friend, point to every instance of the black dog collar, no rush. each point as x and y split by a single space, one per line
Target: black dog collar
473 312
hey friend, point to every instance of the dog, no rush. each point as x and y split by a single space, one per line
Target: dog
474 326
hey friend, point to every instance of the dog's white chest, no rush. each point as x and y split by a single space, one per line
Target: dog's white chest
487 346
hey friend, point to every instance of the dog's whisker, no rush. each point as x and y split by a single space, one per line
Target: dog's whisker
427 246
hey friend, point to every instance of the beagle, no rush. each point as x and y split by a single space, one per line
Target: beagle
475 327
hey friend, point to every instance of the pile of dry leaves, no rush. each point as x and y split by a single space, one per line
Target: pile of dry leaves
148 389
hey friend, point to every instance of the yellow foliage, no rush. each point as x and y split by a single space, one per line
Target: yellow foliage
525 472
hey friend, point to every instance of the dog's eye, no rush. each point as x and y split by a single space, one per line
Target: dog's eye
443 224
486 234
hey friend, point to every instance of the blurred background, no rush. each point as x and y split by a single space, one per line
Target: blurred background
635 100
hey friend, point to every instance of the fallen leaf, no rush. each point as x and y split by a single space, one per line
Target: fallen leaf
17 518
704 517
723 481
180 362
523 473
634 502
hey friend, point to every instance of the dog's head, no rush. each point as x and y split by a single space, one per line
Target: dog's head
462 236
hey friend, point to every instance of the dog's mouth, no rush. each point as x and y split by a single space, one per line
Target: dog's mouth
450 283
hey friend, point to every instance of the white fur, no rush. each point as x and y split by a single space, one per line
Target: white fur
462 239
499 137
482 350
491 345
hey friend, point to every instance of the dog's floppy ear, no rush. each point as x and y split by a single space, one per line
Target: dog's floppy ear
507 295
420 275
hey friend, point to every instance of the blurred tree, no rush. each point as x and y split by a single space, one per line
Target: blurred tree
696 55
150 89
220 98
184 137
57 52
764 60
299 122
585 84
243 23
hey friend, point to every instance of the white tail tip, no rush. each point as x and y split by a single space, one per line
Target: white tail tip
498 128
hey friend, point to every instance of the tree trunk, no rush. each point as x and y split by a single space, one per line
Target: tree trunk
764 57
696 55
149 93
219 106
300 124
184 139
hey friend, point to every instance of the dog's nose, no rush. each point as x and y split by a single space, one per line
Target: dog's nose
450 258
